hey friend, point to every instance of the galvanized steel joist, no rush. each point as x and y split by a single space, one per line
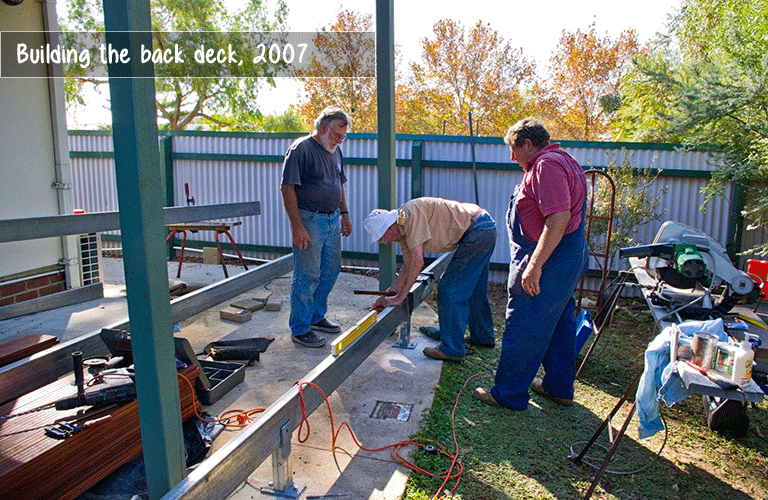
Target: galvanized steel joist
57 360
219 475
63 225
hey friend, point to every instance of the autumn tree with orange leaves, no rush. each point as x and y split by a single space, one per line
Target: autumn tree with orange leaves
355 95
584 86
465 70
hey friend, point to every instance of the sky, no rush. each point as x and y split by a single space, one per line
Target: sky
534 27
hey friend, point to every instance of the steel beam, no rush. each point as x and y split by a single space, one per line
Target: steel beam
33 228
219 475
58 362
94 291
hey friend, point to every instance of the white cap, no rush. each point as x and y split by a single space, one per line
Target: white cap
378 221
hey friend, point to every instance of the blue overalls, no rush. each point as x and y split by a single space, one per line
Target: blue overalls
540 329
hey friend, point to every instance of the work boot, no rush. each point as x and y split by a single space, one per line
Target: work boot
537 386
468 339
309 339
485 396
430 331
435 353
326 326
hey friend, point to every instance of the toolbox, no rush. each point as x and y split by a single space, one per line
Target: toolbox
215 378
221 376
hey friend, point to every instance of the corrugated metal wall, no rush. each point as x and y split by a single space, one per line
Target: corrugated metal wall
226 178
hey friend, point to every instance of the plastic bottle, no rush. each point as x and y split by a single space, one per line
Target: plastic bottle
754 340
742 364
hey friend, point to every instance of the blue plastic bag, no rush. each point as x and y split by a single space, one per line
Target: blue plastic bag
584 328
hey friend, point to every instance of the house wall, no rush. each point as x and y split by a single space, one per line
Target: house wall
27 154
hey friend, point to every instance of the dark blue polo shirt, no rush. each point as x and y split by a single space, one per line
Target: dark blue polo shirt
316 174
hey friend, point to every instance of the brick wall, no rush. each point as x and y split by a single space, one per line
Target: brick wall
32 288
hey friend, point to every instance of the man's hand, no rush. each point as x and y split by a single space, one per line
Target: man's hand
346 225
383 302
300 237
530 279
300 234
554 229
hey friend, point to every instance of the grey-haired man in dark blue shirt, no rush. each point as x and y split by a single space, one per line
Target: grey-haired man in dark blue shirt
313 195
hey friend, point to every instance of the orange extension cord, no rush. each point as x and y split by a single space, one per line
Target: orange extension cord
453 472
243 418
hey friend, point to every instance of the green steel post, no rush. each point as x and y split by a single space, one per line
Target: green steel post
385 93
166 144
417 181
141 197
736 221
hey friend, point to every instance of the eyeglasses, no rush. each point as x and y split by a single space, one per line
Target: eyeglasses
337 136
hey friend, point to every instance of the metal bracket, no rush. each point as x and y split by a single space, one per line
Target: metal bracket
68 262
405 328
282 484
61 185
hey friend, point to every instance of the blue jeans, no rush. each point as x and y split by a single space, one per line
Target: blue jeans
314 270
462 293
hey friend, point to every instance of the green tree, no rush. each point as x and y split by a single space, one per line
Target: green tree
645 97
637 202
288 121
208 96
713 76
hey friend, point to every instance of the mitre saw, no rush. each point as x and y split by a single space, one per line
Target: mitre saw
696 279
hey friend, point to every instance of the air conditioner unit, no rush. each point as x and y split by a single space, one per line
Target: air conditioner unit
90 258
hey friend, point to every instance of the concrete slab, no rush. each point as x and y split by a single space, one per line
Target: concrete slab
390 374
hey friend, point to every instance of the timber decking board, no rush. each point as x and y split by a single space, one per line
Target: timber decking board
21 347
34 465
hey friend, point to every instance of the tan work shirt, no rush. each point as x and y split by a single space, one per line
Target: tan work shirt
434 223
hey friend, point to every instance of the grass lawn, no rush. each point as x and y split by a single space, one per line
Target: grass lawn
523 455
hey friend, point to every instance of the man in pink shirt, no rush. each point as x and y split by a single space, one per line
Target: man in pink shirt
549 256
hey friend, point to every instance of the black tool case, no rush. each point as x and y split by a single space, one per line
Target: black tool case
215 378
222 377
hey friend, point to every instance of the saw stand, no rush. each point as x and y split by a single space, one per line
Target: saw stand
282 484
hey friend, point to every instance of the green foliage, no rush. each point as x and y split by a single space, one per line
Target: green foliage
709 85
289 121
646 95
637 201
213 93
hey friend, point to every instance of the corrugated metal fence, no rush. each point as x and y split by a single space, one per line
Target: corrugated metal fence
234 167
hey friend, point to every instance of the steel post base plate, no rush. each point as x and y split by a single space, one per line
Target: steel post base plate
407 345
292 490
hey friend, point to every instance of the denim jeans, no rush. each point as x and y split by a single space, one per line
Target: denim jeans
462 293
314 270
